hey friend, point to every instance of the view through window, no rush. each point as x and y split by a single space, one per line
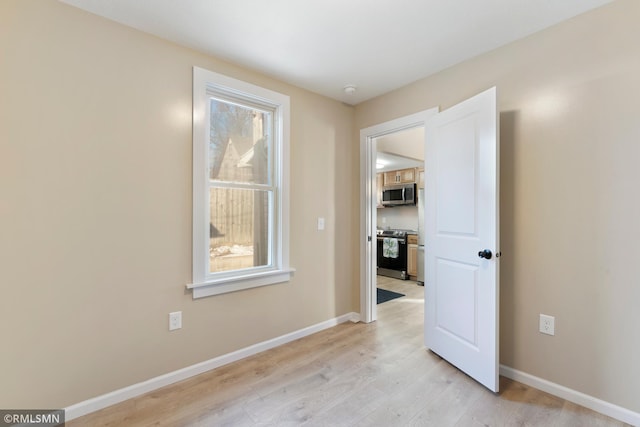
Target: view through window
241 186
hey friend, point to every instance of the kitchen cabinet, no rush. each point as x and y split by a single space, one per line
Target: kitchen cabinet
402 176
420 180
379 185
412 256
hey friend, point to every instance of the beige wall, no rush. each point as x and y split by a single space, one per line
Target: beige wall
95 211
569 101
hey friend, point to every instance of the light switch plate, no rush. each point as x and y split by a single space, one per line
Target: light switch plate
320 224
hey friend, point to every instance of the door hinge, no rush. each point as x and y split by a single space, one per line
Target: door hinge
368 238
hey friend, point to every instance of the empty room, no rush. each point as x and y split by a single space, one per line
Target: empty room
202 202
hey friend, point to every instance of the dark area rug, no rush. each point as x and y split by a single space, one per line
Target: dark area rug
385 295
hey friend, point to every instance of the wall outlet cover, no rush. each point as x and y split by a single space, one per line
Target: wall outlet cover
175 320
547 324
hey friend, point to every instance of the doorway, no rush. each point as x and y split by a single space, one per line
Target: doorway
399 167
369 139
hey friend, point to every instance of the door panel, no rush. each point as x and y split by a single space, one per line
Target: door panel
456 170
461 190
456 293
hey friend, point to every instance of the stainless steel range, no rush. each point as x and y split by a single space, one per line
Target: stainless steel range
392 253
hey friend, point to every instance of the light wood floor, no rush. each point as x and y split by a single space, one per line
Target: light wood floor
350 375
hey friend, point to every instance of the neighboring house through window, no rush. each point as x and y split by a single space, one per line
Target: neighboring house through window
240 185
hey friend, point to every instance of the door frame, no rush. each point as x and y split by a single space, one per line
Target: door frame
368 213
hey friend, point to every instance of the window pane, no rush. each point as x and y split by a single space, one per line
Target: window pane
239 143
239 236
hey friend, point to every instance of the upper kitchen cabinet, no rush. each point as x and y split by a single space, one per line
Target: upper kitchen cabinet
420 177
402 176
379 185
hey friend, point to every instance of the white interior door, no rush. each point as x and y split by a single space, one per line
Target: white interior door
461 214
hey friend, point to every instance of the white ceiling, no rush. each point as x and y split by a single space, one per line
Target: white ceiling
400 150
390 162
323 45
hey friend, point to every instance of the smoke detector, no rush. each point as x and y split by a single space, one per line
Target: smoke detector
350 89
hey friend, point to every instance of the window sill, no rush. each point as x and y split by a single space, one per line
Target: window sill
223 286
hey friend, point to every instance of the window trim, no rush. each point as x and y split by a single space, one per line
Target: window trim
203 283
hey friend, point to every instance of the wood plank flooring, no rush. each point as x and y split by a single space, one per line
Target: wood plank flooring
350 375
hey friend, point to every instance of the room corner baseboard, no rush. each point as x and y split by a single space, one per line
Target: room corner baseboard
117 396
606 408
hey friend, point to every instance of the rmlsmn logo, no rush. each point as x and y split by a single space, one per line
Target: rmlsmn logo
32 417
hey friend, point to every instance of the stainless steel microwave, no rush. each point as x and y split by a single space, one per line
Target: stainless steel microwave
397 195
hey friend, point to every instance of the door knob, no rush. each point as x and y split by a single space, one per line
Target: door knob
486 254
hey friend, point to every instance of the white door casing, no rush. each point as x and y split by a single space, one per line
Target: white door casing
368 204
461 215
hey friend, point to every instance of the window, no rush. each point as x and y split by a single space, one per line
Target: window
240 185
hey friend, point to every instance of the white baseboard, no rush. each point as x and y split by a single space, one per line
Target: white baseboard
355 317
574 396
117 396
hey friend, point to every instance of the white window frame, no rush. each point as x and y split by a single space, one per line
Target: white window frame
206 283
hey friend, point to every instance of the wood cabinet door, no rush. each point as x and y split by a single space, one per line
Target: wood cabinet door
391 178
402 176
379 185
407 175
412 260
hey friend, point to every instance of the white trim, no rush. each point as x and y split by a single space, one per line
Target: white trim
239 283
117 396
368 310
593 403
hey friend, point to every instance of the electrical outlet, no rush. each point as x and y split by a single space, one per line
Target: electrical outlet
547 324
175 320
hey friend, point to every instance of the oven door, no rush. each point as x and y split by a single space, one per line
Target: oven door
389 263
